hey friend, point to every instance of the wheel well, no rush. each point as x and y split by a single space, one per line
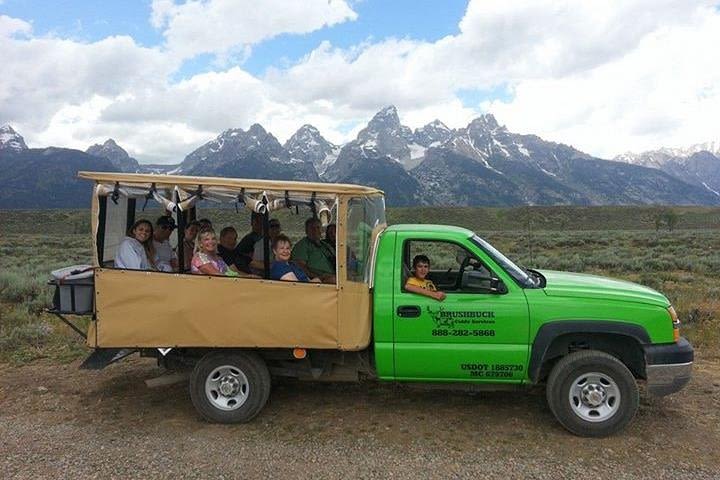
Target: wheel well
623 347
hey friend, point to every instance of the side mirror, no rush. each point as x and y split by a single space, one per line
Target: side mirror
480 282
497 286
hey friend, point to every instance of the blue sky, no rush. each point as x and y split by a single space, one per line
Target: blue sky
90 21
86 20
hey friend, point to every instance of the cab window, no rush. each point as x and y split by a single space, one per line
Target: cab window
453 269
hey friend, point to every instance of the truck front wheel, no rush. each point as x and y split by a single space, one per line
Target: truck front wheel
230 387
592 394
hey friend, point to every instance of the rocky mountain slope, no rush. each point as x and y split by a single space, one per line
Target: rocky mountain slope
485 164
254 153
697 165
10 140
482 163
117 156
308 145
44 177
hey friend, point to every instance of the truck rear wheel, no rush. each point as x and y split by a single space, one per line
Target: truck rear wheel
592 394
230 387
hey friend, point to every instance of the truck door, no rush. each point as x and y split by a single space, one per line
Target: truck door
479 333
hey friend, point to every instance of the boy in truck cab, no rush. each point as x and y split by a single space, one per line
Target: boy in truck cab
419 283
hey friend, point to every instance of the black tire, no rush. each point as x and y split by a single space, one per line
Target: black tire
245 372
621 399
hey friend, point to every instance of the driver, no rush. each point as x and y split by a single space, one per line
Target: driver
419 283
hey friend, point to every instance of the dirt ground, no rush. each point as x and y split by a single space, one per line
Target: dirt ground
58 421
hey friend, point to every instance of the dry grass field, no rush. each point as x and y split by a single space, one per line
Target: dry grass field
683 263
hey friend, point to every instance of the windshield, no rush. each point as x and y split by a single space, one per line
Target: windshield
520 275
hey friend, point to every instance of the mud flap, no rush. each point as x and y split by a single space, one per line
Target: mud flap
102 357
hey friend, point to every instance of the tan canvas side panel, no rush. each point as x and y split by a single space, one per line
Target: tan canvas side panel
150 309
354 316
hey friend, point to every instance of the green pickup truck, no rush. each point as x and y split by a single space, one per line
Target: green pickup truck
588 339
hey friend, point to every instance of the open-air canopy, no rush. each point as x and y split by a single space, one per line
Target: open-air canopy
158 309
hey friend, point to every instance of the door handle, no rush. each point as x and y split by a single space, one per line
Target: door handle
408 311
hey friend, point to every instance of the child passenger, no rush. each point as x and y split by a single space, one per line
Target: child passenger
419 283
282 268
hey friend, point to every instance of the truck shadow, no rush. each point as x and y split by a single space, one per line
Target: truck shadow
311 407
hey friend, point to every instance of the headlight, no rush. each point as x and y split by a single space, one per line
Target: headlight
675 323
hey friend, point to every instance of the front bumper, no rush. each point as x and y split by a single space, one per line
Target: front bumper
668 367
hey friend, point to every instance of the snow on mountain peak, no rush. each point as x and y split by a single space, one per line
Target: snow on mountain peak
310 129
108 146
712 147
387 118
433 134
668 155
438 124
257 130
307 144
10 139
390 110
486 121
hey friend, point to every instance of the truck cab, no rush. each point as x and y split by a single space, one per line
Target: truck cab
500 324
478 333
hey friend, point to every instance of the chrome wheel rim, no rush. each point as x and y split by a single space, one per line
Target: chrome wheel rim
227 388
594 397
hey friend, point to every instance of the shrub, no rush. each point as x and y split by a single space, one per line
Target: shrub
19 328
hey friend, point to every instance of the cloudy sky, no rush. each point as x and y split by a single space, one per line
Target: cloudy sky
164 76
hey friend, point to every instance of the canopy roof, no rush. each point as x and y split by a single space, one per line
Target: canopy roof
233 183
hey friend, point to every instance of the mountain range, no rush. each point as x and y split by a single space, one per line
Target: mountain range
697 165
480 164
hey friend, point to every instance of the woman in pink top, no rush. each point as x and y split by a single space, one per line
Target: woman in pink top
206 261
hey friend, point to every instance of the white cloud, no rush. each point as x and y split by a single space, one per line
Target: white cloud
664 92
217 26
603 76
13 26
48 74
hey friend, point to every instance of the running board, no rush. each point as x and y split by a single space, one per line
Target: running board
102 357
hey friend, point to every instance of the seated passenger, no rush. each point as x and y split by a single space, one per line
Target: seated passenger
191 231
206 261
227 249
258 256
330 235
282 268
136 251
247 244
205 224
419 283
165 257
314 256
